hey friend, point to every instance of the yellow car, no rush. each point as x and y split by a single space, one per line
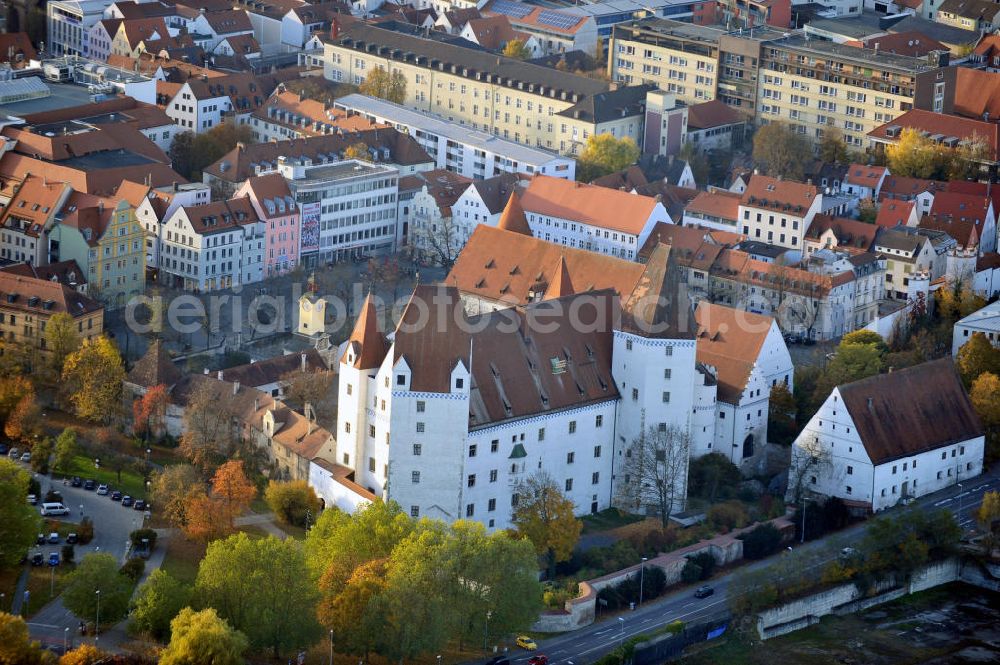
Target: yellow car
526 642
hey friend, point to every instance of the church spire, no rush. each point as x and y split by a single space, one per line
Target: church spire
366 343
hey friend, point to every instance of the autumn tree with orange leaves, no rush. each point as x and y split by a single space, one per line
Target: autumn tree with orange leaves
212 515
25 423
149 412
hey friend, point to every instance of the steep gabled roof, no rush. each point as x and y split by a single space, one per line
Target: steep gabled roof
53 297
513 218
938 411
367 344
730 340
597 206
561 284
893 213
849 232
154 368
715 113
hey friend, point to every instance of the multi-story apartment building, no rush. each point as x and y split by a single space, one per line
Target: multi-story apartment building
676 57
27 304
912 255
757 13
213 246
348 208
29 215
777 211
697 63
276 208
573 214
817 86
516 100
288 115
473 154
107 241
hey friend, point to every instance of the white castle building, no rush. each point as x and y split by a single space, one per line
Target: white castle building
531 357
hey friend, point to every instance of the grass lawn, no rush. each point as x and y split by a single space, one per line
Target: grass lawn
131 482
608 519
182 558
40 584
8 584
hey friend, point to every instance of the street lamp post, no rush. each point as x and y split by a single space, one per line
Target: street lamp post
621 640
961 502
65 638
642 578
331 647
802 537
486 629
97 624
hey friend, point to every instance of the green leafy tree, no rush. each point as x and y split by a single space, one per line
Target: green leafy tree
19 522
863 336
293 501
517 49
357 615
203 638
977 356
16 646
65 450
181 153
853 362
340 542
40 454
780 151
985 395
97 572
380 83
358 150
85 654
781 409
157 602
93 377
171 488
61 339
13 388
604 154
545 517
712 476
987 515
262 588
832 148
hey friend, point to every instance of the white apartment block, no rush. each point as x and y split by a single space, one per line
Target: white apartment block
348 208
218 245
891 436
473 154
777 211
599 219
985 321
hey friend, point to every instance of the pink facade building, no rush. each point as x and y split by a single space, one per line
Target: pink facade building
276 207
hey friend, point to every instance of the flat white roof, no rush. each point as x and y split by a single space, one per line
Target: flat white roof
522 154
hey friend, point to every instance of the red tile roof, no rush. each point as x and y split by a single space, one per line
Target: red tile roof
977 93
944 126
16 291
712 114
865 176
721 204
775 193
14 44
367 345
730 340
900 187
912 43
597 206
893 213
850 233
512 218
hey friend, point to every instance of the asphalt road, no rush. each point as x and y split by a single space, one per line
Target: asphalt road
112 526
587 645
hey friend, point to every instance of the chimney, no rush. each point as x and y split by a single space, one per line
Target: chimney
870 402
236 387
303 366
256 404
218 375
205 371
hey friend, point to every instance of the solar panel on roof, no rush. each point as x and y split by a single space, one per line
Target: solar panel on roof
508 8
558 19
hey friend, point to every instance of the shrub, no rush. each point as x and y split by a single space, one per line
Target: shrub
761 542
712 477
727 516
706 562
691 572
85 532
133 569
52 496
67 553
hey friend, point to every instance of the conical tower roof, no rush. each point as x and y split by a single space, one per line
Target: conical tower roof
366 343
561 285
512 218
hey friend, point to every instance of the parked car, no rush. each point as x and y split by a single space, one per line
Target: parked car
3 449
76 481
526 642
32 499
53 538
704 591
140 504
116 496
102 489
37 559
127 501
72 539
89 485
14 452
25 457
53 558
40 540
53 508
540 659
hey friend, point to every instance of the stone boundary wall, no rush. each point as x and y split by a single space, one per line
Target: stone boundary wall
581 611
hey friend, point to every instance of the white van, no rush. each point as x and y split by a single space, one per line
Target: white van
54 509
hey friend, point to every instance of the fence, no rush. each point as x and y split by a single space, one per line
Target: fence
669 647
